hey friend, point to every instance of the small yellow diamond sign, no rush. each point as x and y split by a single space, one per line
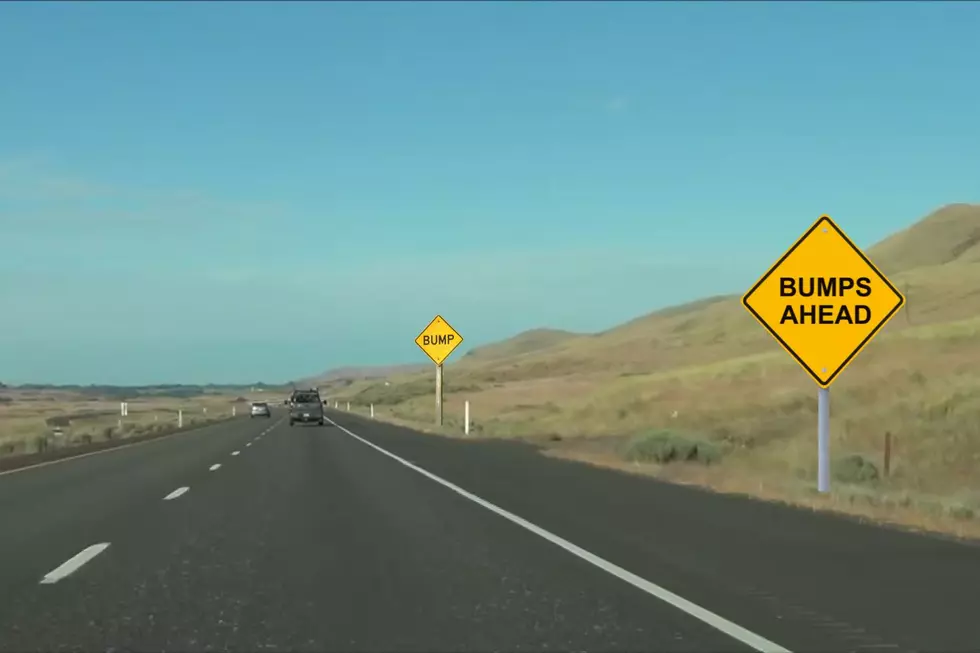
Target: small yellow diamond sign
823 301
438 340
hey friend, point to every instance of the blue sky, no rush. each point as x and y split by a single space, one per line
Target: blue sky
221 192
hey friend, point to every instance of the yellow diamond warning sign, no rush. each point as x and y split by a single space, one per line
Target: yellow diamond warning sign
438 340
823 301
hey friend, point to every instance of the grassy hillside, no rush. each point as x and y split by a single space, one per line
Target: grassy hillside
705 381
36 419
951 234
522 343
344 374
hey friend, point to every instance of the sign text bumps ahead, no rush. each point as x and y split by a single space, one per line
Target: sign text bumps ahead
438 340
823 301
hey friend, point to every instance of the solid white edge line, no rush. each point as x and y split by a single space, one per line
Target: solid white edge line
73 564
733 630
179 492
214 467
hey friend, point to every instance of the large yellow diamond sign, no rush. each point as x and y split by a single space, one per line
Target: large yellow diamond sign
823 301
438 340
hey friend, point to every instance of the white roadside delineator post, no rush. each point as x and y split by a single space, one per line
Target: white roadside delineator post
180 419
466 417
348 406
372 411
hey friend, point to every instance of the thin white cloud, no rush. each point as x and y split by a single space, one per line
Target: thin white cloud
45 197
617 104
23 162
507 277
527 266
30 178
233 275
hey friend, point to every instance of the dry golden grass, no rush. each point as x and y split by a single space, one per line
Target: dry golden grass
529 341
707 371
32 420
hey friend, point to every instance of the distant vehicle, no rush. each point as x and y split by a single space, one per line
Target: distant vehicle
260 409
305 408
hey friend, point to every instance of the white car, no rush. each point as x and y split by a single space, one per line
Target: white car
260 409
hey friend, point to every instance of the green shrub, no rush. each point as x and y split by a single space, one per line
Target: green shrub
663 446
855 469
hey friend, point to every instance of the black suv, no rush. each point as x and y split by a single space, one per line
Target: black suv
305 407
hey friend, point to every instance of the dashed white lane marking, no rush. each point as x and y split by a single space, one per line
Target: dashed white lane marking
733 630
248 444
214 467
179 492
235 453
73 564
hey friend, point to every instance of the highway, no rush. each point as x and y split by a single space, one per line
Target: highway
362 536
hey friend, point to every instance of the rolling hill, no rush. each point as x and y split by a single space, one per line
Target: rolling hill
935 262
361 373
948 235
522 343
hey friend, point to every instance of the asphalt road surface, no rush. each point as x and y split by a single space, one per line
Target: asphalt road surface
361 536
